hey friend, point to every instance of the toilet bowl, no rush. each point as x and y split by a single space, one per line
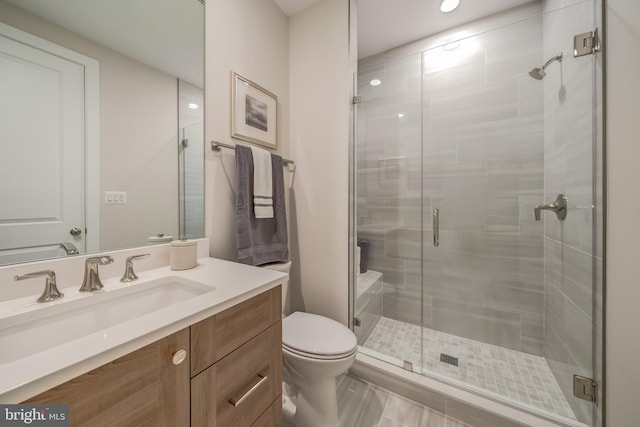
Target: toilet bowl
315 351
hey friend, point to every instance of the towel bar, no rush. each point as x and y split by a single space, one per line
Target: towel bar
216 146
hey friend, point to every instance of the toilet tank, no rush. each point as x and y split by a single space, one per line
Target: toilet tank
285 267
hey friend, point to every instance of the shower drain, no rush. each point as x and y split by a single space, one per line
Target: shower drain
446 358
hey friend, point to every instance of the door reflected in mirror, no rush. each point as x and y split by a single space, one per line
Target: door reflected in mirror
97 134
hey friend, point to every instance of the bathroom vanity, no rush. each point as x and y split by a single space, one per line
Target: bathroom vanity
233 375
215 359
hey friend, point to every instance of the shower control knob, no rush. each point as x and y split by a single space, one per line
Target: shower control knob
75 231
559 206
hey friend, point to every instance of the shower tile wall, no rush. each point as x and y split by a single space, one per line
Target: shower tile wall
568 245
469 143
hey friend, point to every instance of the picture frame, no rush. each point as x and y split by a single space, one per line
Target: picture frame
254 113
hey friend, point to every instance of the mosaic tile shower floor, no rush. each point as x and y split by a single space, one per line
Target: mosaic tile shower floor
510 373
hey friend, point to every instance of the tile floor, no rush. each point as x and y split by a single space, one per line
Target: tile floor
361 404
513 374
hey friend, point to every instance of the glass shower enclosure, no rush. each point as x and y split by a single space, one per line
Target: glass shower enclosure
190 160
478 173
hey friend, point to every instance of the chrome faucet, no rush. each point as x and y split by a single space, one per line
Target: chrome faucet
559 206
129 274
51 292
91 281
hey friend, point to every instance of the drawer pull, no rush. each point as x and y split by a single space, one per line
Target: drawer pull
236 403
179 356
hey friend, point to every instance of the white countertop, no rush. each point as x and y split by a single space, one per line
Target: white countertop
29 376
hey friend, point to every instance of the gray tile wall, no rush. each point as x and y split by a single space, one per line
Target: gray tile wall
469 143
568 168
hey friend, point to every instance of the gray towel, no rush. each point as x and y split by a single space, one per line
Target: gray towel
259 240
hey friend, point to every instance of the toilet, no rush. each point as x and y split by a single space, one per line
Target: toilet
315 351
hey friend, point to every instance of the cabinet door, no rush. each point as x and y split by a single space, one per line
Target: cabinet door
242 385
142 388
272 417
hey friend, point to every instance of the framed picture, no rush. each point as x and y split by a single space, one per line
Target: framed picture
254 113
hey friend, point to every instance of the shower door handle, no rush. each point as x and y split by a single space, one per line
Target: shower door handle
436 227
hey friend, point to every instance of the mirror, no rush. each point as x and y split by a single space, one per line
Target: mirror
102 125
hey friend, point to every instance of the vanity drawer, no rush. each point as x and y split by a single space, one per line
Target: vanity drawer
219 335
241 386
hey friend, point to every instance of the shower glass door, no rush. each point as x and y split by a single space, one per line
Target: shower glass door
481 126
390 215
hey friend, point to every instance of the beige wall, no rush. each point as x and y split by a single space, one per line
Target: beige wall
287 56
138 136
319 84
623 213
249 37
139 152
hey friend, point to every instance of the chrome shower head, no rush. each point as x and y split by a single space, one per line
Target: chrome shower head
539 73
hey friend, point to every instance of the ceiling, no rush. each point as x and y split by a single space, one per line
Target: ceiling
165 34
385 24
291 7
172 40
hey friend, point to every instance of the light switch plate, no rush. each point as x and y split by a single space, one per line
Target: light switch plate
115 197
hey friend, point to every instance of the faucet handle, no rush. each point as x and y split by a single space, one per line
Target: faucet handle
91 281
51 292
99 260
129 274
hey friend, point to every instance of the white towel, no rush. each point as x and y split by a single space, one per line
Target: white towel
262 183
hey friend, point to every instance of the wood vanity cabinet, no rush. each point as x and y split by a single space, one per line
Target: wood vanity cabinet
143 387
236 365
232 376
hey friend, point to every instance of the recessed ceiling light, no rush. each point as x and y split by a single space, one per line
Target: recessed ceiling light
375 82
193 106
449 5
401 115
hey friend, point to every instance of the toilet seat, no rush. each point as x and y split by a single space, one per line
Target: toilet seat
317 356
317 337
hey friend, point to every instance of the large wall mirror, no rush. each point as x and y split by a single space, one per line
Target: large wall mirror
101 135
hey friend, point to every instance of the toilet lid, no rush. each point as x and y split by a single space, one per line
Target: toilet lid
317 335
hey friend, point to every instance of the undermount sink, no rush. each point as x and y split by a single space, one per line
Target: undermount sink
29 333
